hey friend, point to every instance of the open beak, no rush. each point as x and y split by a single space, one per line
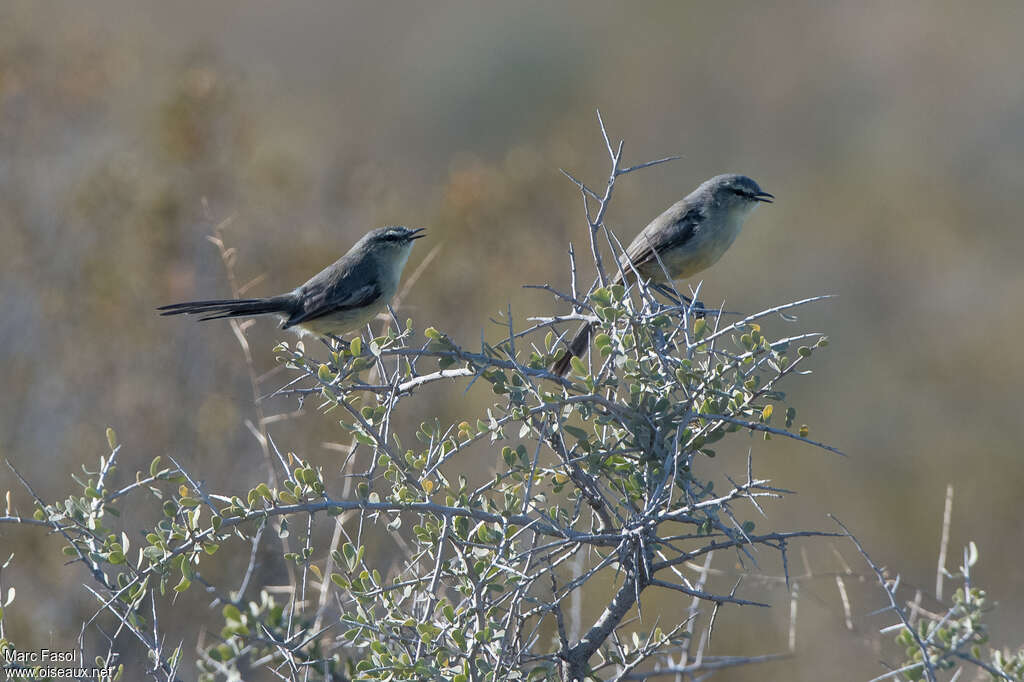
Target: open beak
765 197
417 233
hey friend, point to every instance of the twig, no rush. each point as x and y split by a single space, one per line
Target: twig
947 516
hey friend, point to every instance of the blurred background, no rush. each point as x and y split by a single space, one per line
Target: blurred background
891 134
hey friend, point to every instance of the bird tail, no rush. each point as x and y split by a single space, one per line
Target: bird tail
577 347
229 307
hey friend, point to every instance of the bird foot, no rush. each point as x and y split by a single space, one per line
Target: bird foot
698 309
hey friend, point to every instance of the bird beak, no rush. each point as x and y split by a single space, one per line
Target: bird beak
417 233
765 197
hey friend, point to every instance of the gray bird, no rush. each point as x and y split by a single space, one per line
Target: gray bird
340 298
691 235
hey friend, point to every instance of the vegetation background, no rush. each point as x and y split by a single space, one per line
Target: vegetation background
891 133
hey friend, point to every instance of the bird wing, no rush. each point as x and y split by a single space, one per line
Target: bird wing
661 235
325 302
344 285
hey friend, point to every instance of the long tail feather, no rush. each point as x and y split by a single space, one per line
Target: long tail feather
229 307
577 347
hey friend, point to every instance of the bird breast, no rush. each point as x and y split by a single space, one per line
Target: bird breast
701 251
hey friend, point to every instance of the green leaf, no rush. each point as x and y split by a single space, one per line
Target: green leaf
602 296
349 552
356 346
360 363
578 366
324 374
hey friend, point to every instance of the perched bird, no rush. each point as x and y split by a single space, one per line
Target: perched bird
691 235
340 298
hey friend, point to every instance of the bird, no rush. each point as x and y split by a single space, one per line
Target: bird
688 237
338 299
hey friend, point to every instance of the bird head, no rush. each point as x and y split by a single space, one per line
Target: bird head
391 245
735 192
394 236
